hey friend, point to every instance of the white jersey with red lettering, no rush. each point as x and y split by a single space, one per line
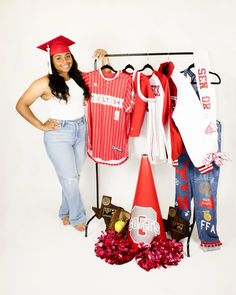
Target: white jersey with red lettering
192 123
206 94
108 116
160 149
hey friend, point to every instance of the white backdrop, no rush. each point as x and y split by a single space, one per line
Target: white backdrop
28 182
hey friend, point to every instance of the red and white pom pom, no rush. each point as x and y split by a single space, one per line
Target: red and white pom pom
160 253
114 248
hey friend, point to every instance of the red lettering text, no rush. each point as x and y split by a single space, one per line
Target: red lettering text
202 78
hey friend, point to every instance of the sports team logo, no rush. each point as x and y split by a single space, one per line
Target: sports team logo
143 225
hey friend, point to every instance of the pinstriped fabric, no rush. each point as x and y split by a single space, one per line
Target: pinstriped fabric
108 116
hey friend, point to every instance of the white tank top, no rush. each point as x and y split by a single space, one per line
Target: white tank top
73 109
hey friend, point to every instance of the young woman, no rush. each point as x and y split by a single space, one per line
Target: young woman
65 131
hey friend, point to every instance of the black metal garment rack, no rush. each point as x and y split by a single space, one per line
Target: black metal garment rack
96 165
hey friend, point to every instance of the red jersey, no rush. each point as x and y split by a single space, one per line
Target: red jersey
143 92
108 116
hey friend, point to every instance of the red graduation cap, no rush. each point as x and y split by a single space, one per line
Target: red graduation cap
59 44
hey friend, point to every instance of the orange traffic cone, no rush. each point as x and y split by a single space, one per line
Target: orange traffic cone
146 220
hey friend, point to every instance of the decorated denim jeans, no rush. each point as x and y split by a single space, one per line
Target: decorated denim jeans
202 189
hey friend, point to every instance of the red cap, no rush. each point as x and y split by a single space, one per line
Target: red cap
59 44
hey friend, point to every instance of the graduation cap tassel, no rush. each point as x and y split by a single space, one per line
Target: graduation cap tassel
49 61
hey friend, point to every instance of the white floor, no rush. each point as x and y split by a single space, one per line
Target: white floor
39 256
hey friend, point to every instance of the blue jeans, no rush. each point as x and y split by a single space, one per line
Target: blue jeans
66 148
202 188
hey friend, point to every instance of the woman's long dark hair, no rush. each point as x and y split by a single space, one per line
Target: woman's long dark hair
58 85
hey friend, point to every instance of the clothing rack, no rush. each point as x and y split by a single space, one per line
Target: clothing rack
149 54
96 165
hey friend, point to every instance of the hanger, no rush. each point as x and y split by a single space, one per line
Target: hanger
212 73
128 66
191 66
219 79
107 66
146 66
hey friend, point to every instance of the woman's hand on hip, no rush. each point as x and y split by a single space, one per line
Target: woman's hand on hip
50 125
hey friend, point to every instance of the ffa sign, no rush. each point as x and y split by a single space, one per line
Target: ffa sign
143 225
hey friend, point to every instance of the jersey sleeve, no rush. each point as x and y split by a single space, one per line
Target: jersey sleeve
128 99
85 77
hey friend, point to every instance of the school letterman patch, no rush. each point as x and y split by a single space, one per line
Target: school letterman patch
143 225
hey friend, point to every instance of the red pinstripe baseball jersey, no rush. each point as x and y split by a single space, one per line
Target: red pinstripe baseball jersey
108 116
